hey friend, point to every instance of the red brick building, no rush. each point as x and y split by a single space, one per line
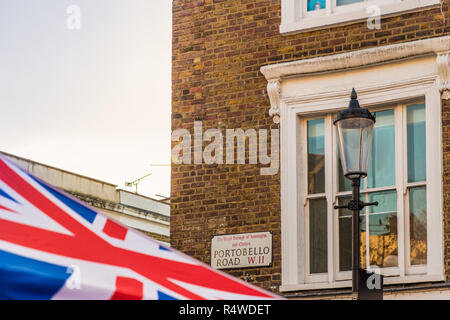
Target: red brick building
287 67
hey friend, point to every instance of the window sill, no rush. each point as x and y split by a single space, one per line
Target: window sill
315 21
348 283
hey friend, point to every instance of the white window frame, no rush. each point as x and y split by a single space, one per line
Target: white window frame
295 117
383 75
331 193
295 17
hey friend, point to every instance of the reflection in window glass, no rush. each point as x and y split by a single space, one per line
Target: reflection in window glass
418 225
316 156
416 143
345 236
383 242
318 235
381 171
363 248
314 5
343 183
344 2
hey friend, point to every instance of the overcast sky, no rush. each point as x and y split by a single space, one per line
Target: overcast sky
94 100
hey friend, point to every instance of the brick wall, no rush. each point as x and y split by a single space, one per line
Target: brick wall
218 49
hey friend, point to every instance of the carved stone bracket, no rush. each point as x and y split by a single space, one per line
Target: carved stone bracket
442 61
274 93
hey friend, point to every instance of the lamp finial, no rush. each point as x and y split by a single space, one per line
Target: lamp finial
354 100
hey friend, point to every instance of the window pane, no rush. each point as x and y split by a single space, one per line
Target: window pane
316 5
344 2
383 242
418 225
382 159
316 156
345 236
416 143
318 235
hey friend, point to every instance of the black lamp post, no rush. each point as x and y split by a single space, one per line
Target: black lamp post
355 133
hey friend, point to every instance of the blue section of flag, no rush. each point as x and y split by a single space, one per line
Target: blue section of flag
163 296
28 279
82 210
163 248
7 196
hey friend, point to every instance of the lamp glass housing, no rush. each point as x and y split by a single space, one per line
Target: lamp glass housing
355 136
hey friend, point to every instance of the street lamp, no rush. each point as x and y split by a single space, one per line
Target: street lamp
355 134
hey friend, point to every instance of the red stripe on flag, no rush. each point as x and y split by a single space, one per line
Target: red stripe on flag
128 289
86 245
115 230
4 208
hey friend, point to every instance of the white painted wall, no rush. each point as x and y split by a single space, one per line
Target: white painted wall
137 201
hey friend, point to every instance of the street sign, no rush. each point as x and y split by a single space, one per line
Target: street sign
241 250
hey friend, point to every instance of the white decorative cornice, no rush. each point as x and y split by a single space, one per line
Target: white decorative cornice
356 59
274 93
442 61
440 46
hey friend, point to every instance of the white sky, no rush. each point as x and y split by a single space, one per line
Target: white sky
95 101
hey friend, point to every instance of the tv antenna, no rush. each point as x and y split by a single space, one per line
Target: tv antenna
136 182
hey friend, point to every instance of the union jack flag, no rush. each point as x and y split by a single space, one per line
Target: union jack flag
52 246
